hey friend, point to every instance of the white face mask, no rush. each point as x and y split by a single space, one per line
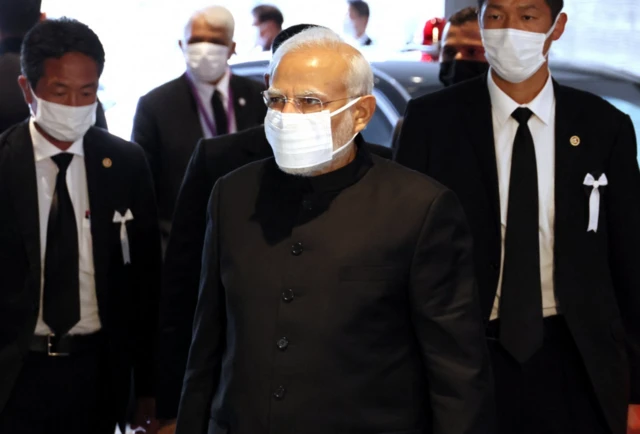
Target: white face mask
63 122
515 55
206 62
301 141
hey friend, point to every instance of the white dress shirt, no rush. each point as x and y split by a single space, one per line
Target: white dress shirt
46 173
205 92
542 127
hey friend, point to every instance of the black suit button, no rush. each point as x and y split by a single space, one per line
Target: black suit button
279 393
296 249
287 295
283 343
307 205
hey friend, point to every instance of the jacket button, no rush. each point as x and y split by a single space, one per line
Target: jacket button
287 295
296 249
279 393
283 343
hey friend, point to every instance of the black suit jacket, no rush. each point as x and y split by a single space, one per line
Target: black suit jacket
167 126
13 108
370 325
212 159
127 294
449 135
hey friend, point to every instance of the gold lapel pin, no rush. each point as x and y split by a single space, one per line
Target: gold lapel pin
107 163
575 141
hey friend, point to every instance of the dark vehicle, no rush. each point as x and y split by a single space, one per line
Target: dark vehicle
397 81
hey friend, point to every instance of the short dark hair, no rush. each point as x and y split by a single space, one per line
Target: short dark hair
288 33
464 16
52 39
264 13
17 17
361 8
555 5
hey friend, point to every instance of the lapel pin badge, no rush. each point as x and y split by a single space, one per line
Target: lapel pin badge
107 163
575 141
242 102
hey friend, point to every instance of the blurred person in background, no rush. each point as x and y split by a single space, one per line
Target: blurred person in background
17 17
207 101
356 21
549 180
79 252
462 53
267 20
212 159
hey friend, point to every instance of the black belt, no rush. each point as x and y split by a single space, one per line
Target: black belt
66 345
553 325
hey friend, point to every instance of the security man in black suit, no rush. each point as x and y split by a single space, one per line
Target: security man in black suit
207 101
337 291
79 251
549 180
17 17
212 159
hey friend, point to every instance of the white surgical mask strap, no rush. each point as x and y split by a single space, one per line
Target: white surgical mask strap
344 107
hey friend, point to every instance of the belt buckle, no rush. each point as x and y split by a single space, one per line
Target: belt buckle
52 342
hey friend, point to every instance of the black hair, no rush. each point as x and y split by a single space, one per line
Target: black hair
555 5
361 8
52 39
264 13
289 32
464 16
17 17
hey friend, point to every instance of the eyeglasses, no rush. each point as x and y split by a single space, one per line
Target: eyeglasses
303 104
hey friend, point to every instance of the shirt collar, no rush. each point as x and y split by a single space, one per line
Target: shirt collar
43 148
363 39
503 106
207 89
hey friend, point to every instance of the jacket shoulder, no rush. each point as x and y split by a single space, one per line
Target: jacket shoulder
458 92
129 151
588 102
164 91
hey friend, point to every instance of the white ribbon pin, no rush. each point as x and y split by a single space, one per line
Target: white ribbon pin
594 199
124 237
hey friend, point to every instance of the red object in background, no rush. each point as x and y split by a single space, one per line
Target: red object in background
432 32
634 420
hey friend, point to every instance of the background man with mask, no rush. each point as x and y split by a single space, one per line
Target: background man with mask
337 291
17 17
268 21
549 180
207 101
79 251
462 53
212 159
356 21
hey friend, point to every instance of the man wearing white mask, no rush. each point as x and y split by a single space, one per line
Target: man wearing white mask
206 101
79 251
337 291
549 179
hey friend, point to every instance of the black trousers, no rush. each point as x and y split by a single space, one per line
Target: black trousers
60 395
549 394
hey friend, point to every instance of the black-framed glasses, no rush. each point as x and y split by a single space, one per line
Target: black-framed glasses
303 104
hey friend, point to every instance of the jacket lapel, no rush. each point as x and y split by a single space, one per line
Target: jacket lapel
98 163
25 194
187 113
241 104
479 120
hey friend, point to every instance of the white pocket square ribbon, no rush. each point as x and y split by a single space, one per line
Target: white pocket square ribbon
124 236
594 199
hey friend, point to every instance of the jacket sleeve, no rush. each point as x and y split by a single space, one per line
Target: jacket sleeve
412 151
205 356
145 134
623 210
181 278
146 260
446 315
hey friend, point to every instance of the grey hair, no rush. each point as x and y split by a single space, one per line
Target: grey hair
359 80
215 16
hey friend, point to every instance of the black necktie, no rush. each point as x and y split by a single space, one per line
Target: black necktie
219 113
521 326
61 298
